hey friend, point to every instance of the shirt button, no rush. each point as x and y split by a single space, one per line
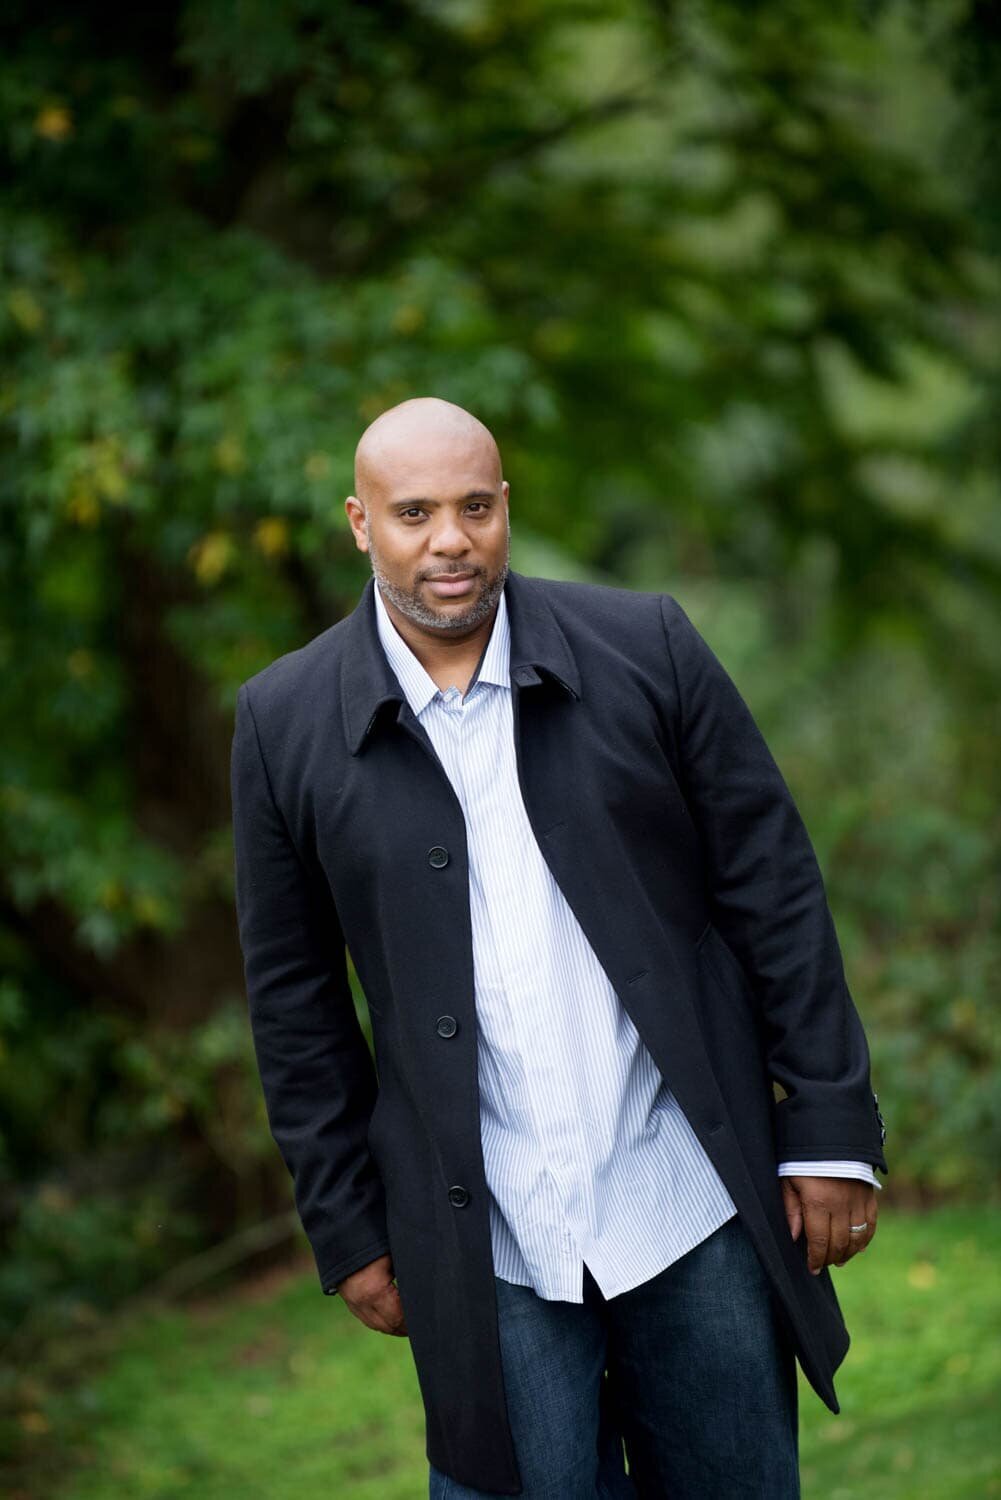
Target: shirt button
458 1197
437 857
446 1026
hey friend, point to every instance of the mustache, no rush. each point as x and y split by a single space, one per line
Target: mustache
456 573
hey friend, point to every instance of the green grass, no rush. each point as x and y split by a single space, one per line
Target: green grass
280 1393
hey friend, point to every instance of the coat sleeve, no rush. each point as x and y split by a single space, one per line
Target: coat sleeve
769 903
316 1070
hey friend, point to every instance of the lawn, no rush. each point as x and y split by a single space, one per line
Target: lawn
276 1391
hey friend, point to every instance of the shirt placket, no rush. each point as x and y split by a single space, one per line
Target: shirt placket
518 888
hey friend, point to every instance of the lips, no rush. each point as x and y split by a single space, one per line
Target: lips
446 584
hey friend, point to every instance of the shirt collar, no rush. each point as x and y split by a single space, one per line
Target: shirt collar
420 688
372 699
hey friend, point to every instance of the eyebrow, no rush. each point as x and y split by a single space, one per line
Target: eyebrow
427 500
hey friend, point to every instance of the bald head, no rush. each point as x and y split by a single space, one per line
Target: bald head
418 439
431 510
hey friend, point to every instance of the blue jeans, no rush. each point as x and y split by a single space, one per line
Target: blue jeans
692 1373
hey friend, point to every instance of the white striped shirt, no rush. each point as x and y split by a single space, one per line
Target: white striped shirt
588 1157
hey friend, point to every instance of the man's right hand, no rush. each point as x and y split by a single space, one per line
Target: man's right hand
372 1296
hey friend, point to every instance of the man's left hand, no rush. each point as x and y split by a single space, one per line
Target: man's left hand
825 1208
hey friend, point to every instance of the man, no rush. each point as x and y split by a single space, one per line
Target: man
593 937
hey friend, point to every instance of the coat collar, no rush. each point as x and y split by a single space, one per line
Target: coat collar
539 652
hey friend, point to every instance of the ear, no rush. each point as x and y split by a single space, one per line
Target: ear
355 511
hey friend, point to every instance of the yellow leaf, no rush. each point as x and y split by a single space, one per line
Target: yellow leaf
193 147
556 336
25 309
922 1275
80 663
70 276
54 122
271 536
318 466
34 1422
54 1199
110 481
408 318
149 910
211 556
111 894
82 507
229 454
963 1013
374 404
354 93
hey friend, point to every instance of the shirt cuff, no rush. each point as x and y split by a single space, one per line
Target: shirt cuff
858 1169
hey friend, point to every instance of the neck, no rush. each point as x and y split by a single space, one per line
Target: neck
450 654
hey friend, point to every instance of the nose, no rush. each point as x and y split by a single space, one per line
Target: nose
449 539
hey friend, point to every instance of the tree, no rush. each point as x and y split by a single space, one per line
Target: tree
674 254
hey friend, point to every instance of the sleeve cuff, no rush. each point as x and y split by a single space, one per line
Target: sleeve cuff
857 1169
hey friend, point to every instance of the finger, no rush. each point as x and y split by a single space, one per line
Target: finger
862 1211
793 1207
818 1233
858 1213
377 1320
868 1213
391 1312
381 1311
841 1245
368 1314
856 1238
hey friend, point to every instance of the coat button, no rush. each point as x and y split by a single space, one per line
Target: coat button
879 1117
458 1197
446 1026
437 857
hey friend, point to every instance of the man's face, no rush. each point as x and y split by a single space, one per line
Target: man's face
437 531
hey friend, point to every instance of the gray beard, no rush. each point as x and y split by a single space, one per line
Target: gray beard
413 606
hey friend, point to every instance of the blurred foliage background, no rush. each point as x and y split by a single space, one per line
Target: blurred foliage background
723 280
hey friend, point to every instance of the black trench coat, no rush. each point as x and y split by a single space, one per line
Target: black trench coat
670 831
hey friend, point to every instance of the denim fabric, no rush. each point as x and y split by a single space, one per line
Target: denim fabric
692 1373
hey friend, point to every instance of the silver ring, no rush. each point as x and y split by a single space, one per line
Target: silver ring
858 1228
